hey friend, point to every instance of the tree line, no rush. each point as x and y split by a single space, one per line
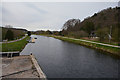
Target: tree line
104 26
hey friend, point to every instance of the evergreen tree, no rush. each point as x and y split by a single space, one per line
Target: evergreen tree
9 35
29 33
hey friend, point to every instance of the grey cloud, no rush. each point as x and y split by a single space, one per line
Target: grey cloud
33 6
34 16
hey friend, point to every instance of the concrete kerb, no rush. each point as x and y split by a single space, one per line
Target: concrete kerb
39 70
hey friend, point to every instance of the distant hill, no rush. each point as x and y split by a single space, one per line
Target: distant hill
100 24
71 23
105 18
17 32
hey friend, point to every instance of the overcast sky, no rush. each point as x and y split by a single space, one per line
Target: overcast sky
48 15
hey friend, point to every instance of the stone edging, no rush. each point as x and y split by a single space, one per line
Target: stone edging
39 70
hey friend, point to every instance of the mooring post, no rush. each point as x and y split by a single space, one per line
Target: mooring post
30 53
11 55
7 54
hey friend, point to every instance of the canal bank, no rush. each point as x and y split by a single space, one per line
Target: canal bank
21 67
61 59
15 65
17 45
110 49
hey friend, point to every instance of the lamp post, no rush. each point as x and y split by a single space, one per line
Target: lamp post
110 34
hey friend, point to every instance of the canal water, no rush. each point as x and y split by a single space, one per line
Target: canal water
60 59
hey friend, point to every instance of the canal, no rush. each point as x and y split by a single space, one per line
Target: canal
60 59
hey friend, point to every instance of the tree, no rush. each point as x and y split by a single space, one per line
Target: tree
55 33
116 33
89 27
29 33
78 34
60 33
48 32
102 34
9 35
95 15
64 32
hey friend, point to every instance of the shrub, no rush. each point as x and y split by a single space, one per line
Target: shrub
9 35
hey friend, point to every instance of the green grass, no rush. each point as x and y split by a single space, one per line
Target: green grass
17 38
116 44
112 50
14 46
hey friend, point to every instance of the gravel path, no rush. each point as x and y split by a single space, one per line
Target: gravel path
15 40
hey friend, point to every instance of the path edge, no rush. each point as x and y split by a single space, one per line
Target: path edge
39 70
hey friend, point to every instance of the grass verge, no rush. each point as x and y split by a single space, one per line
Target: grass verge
112 50
14 46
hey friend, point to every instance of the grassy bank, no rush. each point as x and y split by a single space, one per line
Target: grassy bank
109 49
14 46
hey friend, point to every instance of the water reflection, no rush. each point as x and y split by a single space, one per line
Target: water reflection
60 59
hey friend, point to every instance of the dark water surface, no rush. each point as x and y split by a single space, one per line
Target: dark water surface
60 59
